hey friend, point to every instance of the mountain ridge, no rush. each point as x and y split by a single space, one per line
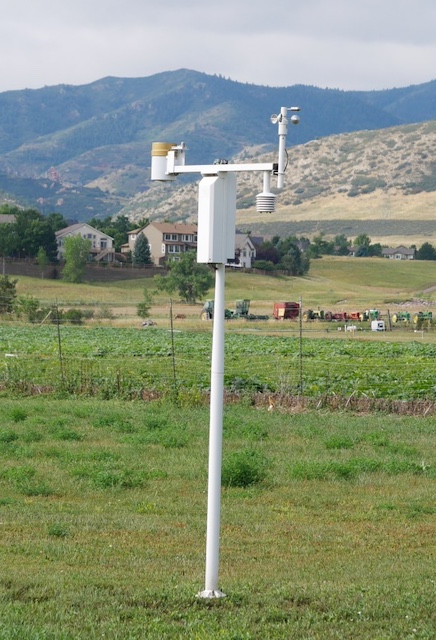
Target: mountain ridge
84 150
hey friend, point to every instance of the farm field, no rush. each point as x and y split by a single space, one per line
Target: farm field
327 529
333 282
328 516
109 362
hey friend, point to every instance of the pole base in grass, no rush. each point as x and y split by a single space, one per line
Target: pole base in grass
211 593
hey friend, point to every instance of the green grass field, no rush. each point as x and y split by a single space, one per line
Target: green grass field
328 517
327 531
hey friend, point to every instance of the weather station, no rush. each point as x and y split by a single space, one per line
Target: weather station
215 246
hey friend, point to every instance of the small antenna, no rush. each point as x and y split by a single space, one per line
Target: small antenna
282 121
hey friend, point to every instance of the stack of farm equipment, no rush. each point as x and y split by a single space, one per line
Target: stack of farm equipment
342 316
241 311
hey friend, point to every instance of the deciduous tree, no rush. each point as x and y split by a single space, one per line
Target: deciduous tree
8 293
76 255
7 242
191 280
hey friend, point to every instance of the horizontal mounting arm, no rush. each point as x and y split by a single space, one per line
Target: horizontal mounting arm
214 169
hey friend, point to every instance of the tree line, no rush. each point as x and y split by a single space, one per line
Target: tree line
293 254
32 231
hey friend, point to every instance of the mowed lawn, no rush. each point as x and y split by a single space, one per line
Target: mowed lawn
328 523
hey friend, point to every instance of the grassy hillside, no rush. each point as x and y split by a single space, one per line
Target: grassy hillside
341 283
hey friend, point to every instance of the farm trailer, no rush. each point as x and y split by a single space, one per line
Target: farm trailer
286 310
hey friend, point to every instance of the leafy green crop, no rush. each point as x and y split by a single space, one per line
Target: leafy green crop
119 362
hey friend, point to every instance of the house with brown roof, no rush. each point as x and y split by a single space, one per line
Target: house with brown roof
166 240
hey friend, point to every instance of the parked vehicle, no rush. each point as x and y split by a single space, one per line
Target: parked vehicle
310 314
423 317
400 317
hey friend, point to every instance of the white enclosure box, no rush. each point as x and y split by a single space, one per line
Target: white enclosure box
216 219
377 325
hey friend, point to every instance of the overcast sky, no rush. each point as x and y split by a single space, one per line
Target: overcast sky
345 44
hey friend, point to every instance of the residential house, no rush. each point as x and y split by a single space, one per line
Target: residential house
166 240
102 245
400 253
132 236
245 250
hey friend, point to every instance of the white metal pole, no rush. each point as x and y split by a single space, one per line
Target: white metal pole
283 130
215 441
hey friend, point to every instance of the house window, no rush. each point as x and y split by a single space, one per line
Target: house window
174 248
195 237
167 236
103 244
187 237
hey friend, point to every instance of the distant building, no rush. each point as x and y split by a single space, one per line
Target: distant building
166 240
245 250
400 253
102 245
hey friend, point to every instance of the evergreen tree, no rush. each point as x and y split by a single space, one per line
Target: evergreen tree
141 251
426 252
143 308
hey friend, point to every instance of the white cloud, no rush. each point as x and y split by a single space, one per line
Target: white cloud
337 43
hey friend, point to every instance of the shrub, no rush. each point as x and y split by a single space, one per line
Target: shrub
75 316
243 469
18 414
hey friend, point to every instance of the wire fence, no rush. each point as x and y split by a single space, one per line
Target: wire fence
134 363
